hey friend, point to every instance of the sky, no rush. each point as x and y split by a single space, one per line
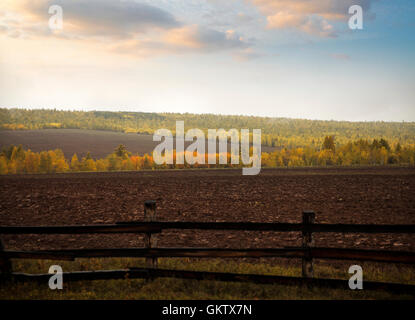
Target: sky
275 58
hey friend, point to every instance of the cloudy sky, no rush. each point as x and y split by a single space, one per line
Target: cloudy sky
280 58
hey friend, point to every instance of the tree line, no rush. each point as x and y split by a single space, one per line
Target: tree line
16 160
276 132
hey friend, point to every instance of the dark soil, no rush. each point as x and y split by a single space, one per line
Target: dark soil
362 195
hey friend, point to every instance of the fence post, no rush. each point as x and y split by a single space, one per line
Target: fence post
150 215
5 265
308 219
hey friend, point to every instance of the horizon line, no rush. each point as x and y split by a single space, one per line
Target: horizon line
211 114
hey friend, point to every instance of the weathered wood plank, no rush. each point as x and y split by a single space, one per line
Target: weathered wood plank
81 229
151 273
5 264
307 261
317 253
156 227
149 241
282 227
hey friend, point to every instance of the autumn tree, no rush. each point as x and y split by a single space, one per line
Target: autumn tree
328 143
101 165
75 165
45 165
87 163
32 161
121 152
3 165
385 144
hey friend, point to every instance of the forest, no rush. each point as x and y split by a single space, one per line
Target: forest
297 142
16 160
281 133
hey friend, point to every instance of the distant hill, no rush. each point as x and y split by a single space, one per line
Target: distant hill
70 141
276 132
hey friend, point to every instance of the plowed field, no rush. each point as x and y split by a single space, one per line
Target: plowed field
363 195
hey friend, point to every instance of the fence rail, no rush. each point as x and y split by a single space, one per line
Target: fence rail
293 252
150 228
143 273
158 227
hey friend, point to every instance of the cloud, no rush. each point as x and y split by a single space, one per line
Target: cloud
196 37
187 39
309 16
340 56
247 54
137 28
244 18
99 18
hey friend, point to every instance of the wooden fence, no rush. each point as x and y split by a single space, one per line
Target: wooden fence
150 228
